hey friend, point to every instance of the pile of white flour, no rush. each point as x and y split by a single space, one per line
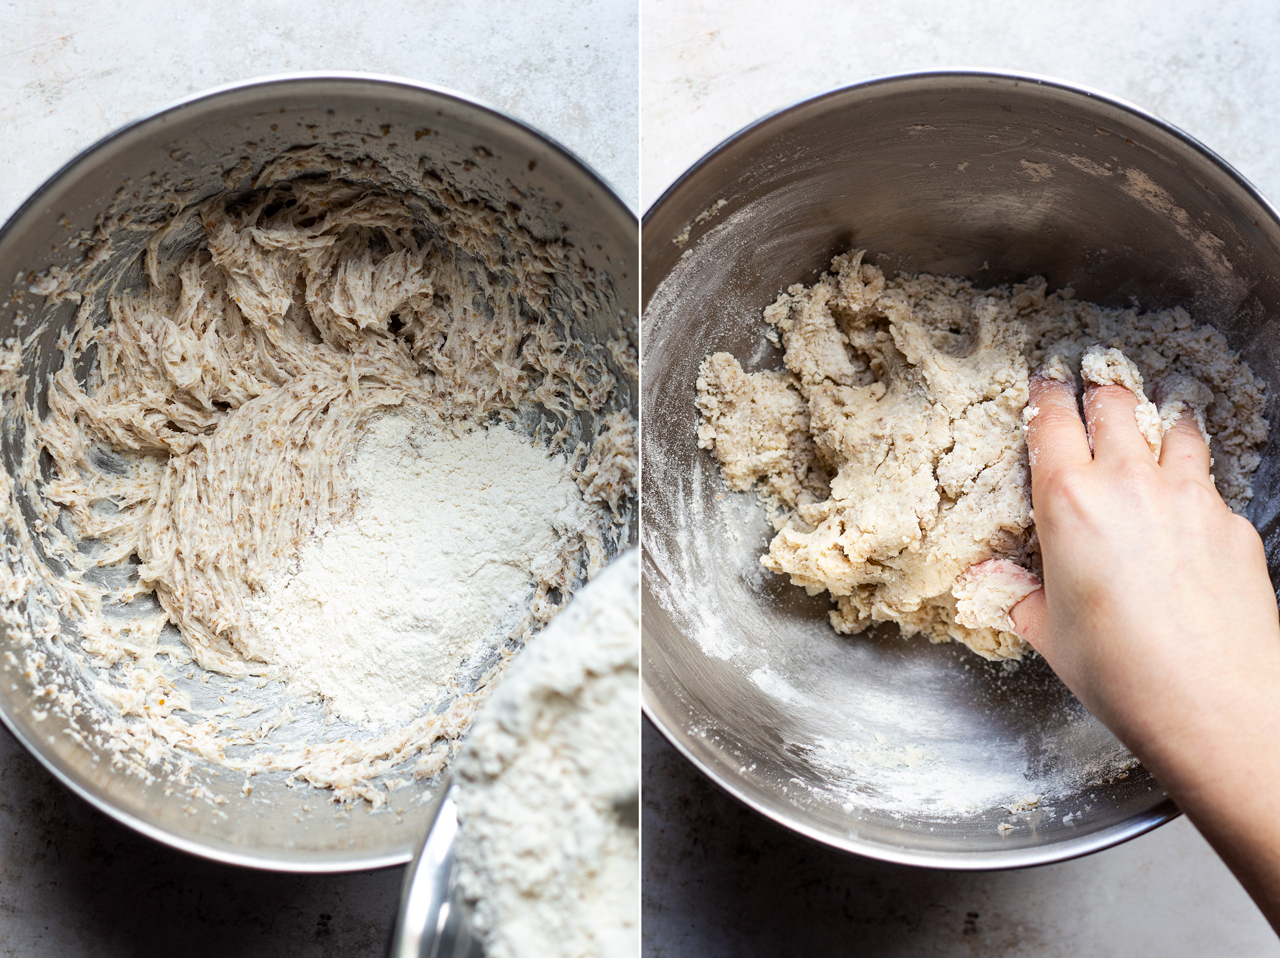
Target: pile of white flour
448 537
548 786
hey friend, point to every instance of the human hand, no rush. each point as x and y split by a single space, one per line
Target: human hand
1156 595
1158 613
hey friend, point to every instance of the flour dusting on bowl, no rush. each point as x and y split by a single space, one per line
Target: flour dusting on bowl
905 750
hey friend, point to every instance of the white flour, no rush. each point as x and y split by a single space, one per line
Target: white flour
381 609
548 786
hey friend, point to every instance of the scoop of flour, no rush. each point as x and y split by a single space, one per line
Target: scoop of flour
548 786
383 608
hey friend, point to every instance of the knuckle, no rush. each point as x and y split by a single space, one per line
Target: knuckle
1060 491
1243 533
1109 399
1206 497
1049 422
1138 482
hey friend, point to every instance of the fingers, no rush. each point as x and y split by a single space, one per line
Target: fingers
1184 451
1031 619
1108 411
1056 438
988 590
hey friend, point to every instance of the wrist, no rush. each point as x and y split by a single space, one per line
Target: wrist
1210 732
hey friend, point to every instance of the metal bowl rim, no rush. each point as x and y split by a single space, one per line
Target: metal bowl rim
1013 858
228 856
1102 839
888 79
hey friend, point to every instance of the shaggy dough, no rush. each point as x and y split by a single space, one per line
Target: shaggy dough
1179 394
892 452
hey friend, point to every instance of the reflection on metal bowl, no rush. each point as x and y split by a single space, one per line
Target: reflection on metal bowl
433 921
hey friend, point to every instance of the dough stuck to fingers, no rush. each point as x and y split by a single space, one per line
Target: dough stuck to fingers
1110 367
987 593
892 450
1179 394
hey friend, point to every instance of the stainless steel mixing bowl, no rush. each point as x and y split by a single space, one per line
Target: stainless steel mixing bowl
902 750
434 919
412 130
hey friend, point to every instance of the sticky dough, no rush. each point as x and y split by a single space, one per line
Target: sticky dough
891 449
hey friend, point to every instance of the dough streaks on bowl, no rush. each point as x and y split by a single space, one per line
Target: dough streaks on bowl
206 431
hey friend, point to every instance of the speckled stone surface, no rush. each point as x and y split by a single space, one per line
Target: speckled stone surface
73 882
710 68
71 72
720 880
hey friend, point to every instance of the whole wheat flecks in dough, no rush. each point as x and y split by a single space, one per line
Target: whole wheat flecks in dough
209 427
891 451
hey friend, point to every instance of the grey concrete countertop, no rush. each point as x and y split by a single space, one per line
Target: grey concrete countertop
720 880
73 882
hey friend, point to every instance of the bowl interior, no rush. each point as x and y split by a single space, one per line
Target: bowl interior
905 750
215 142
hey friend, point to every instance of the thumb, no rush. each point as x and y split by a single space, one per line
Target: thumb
1031 619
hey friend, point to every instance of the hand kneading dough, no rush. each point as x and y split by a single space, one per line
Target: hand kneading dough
892 453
